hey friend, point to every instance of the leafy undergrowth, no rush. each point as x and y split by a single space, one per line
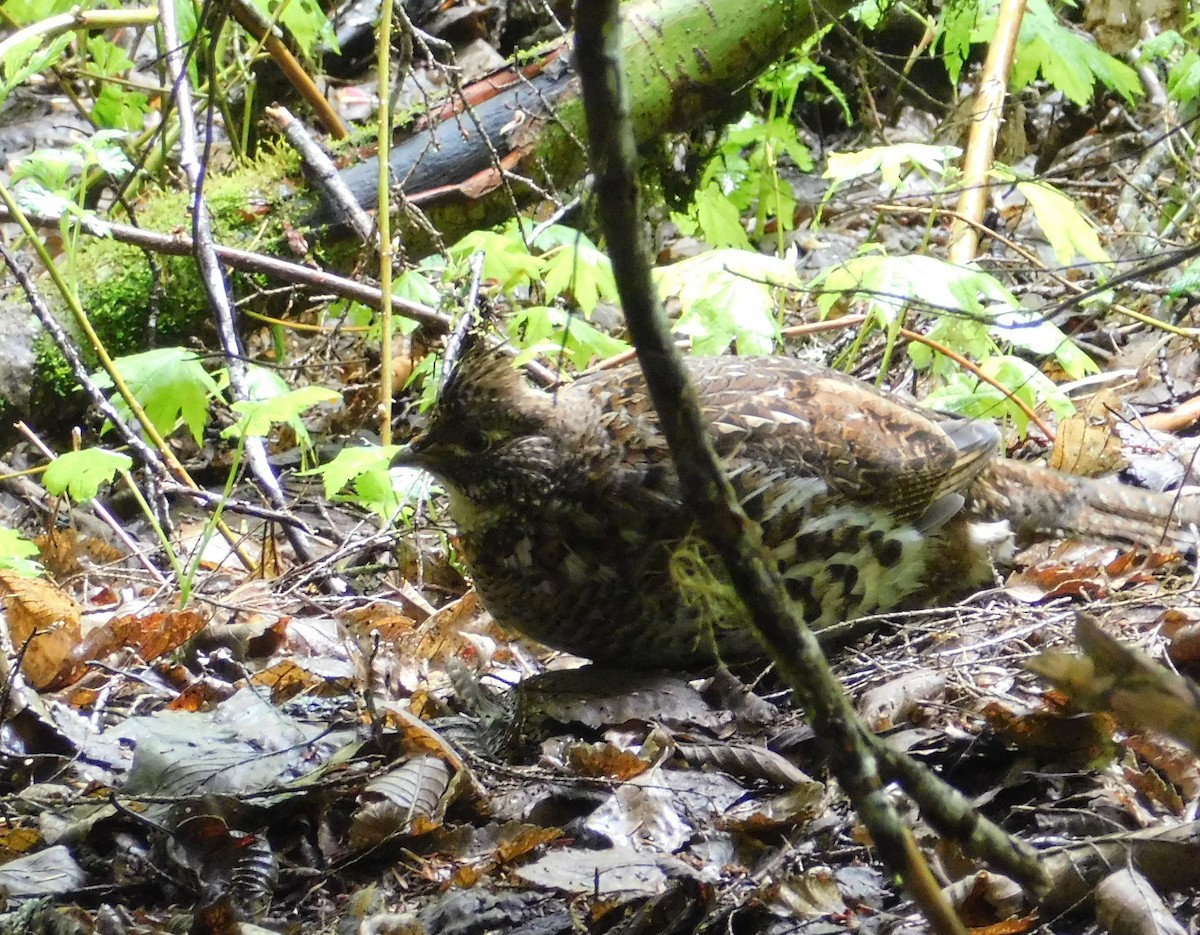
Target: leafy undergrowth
353 745
281 753
202 733
324 763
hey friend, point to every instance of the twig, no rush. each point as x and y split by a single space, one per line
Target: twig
322 172
383 214
985 128
213 277
246 261
974 369
76 20
248 15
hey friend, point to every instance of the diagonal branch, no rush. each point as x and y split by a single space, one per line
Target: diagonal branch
707 492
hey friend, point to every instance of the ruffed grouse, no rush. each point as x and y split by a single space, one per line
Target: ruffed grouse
569 517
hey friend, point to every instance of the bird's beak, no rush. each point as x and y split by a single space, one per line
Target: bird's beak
408 455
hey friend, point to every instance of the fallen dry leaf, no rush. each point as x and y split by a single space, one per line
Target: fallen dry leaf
1086 443
43 621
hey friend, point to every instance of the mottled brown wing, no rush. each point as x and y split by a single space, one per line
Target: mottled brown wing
812 421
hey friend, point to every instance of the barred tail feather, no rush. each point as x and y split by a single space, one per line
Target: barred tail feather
1037 500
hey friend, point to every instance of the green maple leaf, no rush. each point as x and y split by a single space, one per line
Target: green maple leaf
170 383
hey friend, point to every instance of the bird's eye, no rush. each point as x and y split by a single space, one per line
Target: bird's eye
476 443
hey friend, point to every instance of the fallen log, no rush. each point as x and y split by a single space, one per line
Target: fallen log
517 134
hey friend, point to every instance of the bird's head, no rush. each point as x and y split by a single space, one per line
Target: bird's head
492 439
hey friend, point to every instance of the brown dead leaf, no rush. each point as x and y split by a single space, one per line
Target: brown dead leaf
218 918
523 839
288 678
1008 926
1090 571
147 636
441 636
465 877
605 759
104 596
44 622
1152 787
1086 443
1181 626
424 705
380 617
790 808
270 565
14 841
247 635
811 894
415 735
62 551
1170 759
402 365
155 635
84 698
407 800
196 697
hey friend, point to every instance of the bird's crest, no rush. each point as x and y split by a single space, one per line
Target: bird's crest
479 375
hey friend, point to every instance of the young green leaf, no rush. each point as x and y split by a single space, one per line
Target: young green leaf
1070 62
965 394
745 171
552 331
506 259
954 31
170 383
1183 79
81 473
26 59
374 486
727 296
1029 331
415 286
120 108
1188 282
51 168
16 554
719 219
976 311
1070 233
257 416
581 270
349 463
889 285
106 58
304 19
36 198
891 162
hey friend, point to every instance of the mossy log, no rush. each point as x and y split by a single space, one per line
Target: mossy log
686 60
